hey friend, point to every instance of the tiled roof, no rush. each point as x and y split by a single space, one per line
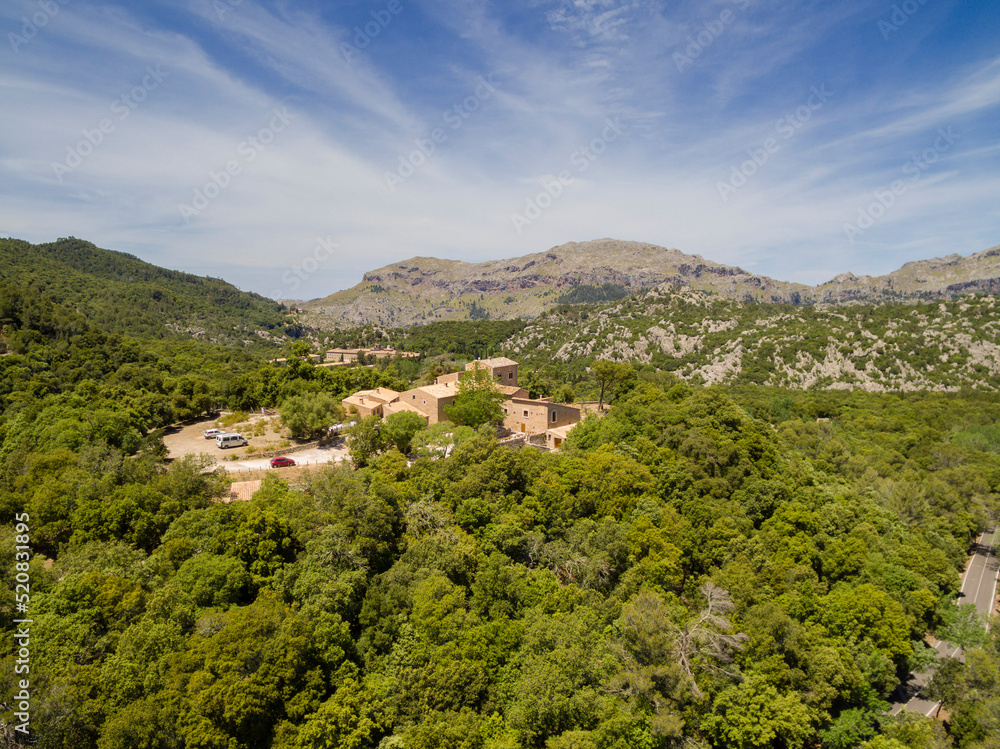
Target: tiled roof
499 361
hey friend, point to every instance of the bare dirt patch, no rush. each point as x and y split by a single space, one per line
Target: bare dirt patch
263 434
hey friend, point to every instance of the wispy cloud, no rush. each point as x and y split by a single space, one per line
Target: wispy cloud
561 68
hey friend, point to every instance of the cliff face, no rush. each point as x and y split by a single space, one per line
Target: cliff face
427 289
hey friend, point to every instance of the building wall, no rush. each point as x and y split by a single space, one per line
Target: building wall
430 405
441 403
364 408
539 417
506 375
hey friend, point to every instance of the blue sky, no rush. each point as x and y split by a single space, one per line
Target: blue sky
290 146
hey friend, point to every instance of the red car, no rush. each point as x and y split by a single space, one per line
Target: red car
281 462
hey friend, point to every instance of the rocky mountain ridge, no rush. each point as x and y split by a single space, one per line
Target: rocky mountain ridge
424 289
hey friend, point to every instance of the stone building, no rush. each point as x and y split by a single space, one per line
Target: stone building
522 414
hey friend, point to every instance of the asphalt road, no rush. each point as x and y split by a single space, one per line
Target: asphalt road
979 586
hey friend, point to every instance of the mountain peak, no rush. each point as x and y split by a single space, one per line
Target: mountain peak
425 289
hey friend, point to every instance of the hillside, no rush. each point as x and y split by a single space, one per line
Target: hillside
427 289
937 278
946 346
118 293
422 290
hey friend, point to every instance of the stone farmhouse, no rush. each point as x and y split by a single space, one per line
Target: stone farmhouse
522 414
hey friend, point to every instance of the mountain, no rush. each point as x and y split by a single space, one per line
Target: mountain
938 278
118 293
426 289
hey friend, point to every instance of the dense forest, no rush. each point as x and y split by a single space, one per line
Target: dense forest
118 293
730 566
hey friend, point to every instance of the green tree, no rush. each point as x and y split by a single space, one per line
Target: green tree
365 440
438 440
308 414
400 429
478 401
348 720
755 714
611 376
964 627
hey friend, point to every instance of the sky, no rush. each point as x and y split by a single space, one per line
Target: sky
288 147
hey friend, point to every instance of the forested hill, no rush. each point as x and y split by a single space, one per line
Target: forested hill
118 293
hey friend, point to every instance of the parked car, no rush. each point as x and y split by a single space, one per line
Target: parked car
338 428
223 441
281 462
211 434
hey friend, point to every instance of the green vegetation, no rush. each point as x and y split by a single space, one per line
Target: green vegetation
729 566
700 566
592 294
118 293
478 402
307 415
941 346
611 376
470 338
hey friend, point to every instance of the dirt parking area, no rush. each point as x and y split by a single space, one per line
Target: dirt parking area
263 434
314 456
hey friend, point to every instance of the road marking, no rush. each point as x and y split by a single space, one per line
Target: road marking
993 596
966 576
990 552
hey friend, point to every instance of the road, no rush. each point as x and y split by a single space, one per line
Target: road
979 586
333 453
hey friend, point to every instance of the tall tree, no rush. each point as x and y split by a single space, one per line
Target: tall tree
478 401
611 375
400 428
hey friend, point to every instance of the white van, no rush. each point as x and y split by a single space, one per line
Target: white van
229 440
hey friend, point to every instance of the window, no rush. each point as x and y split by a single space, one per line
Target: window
510 375
505 410
425 403
553 416
525 413
414 397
